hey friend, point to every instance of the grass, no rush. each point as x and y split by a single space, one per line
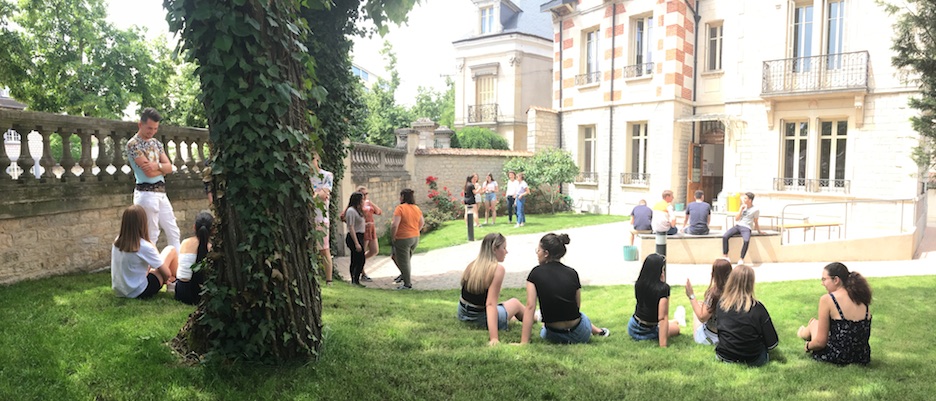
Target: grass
69 338
455 232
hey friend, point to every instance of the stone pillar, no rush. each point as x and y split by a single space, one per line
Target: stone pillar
443 137
408 139
402 136
426 128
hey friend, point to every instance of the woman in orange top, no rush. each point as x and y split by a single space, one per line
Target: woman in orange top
407 223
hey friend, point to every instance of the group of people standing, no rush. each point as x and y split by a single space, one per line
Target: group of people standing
661 218
487 193
138 268
728 316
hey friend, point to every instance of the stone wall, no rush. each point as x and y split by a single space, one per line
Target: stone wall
453 166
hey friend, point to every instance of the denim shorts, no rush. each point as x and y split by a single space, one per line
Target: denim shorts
578 334
490 196
761 360
470 314
640 332
703 336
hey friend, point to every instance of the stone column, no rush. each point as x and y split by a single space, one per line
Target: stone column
426 128
443 137
408 139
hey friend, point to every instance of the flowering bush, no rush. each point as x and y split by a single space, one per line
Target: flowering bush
448 207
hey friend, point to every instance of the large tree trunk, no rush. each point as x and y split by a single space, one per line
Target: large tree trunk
261 299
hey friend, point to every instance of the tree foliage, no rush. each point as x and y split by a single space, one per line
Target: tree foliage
915 45
436 106
63 56
479 138
384 115
550 168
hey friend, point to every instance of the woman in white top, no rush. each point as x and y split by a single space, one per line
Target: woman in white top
194 249
138 270
490 199
354 217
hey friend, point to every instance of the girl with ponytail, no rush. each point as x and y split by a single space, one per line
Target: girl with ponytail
840 335
194 250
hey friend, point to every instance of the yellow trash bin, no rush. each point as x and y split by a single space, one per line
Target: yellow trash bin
734 202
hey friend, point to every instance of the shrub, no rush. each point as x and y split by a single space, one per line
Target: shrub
445 206
478 138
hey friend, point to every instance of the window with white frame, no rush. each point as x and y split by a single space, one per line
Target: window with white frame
636 171
485 89
795 146
832 145
487 20
714 46
588 145
835 33
642 45
590 73
802 32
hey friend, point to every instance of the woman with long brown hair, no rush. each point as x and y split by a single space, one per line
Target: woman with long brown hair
705 322
842 332
138 270
745 331
480 288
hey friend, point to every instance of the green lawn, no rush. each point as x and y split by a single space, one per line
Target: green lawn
69 338
455 232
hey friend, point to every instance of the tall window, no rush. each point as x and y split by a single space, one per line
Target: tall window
638 148
802 36
487 20
832 140
643 42
835 31
795 144
715 46
485 89
588 149
591 52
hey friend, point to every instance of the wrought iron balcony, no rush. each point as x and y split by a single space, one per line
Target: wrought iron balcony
831 72
812 185
638 70
589 78
641 179
482 113
587 177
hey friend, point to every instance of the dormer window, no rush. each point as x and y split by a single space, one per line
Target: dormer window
487 20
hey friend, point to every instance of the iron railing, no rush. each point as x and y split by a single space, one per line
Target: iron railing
589 78
849 219
638 70
642 179
841 71
812 185
587 177
482 113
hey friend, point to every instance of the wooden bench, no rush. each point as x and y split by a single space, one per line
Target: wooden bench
806 226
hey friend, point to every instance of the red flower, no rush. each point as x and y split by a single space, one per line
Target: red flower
430 179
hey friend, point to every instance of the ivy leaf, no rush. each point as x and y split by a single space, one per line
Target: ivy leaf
223 43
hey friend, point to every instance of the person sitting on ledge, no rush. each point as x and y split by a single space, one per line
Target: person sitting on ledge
747 218
698 216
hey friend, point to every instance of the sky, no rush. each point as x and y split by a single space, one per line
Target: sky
423 46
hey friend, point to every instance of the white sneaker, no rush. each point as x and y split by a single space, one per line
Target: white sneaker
538 316
680 316
740 262
517 225
170 287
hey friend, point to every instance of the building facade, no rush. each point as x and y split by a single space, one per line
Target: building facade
504 68
795 101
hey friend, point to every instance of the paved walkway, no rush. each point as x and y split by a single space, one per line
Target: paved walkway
596 253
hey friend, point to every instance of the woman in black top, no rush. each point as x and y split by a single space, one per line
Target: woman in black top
470 202
650 319
559 291
745 331
842 332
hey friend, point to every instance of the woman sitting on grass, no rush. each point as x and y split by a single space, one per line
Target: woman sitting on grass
133 258
480 287
650 319
194 250
745 331
560 294
704 322
841 335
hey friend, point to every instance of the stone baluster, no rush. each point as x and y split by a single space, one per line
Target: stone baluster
68 162
25 160
85 161
177 160
200 150
189 158
46 161
103 159
118 161
4 158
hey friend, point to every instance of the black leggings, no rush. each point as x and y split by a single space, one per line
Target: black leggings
510 207
357 258
733 231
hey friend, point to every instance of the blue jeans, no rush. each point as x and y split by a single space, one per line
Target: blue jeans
578 334
640 332
521 216
761 360
479 317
